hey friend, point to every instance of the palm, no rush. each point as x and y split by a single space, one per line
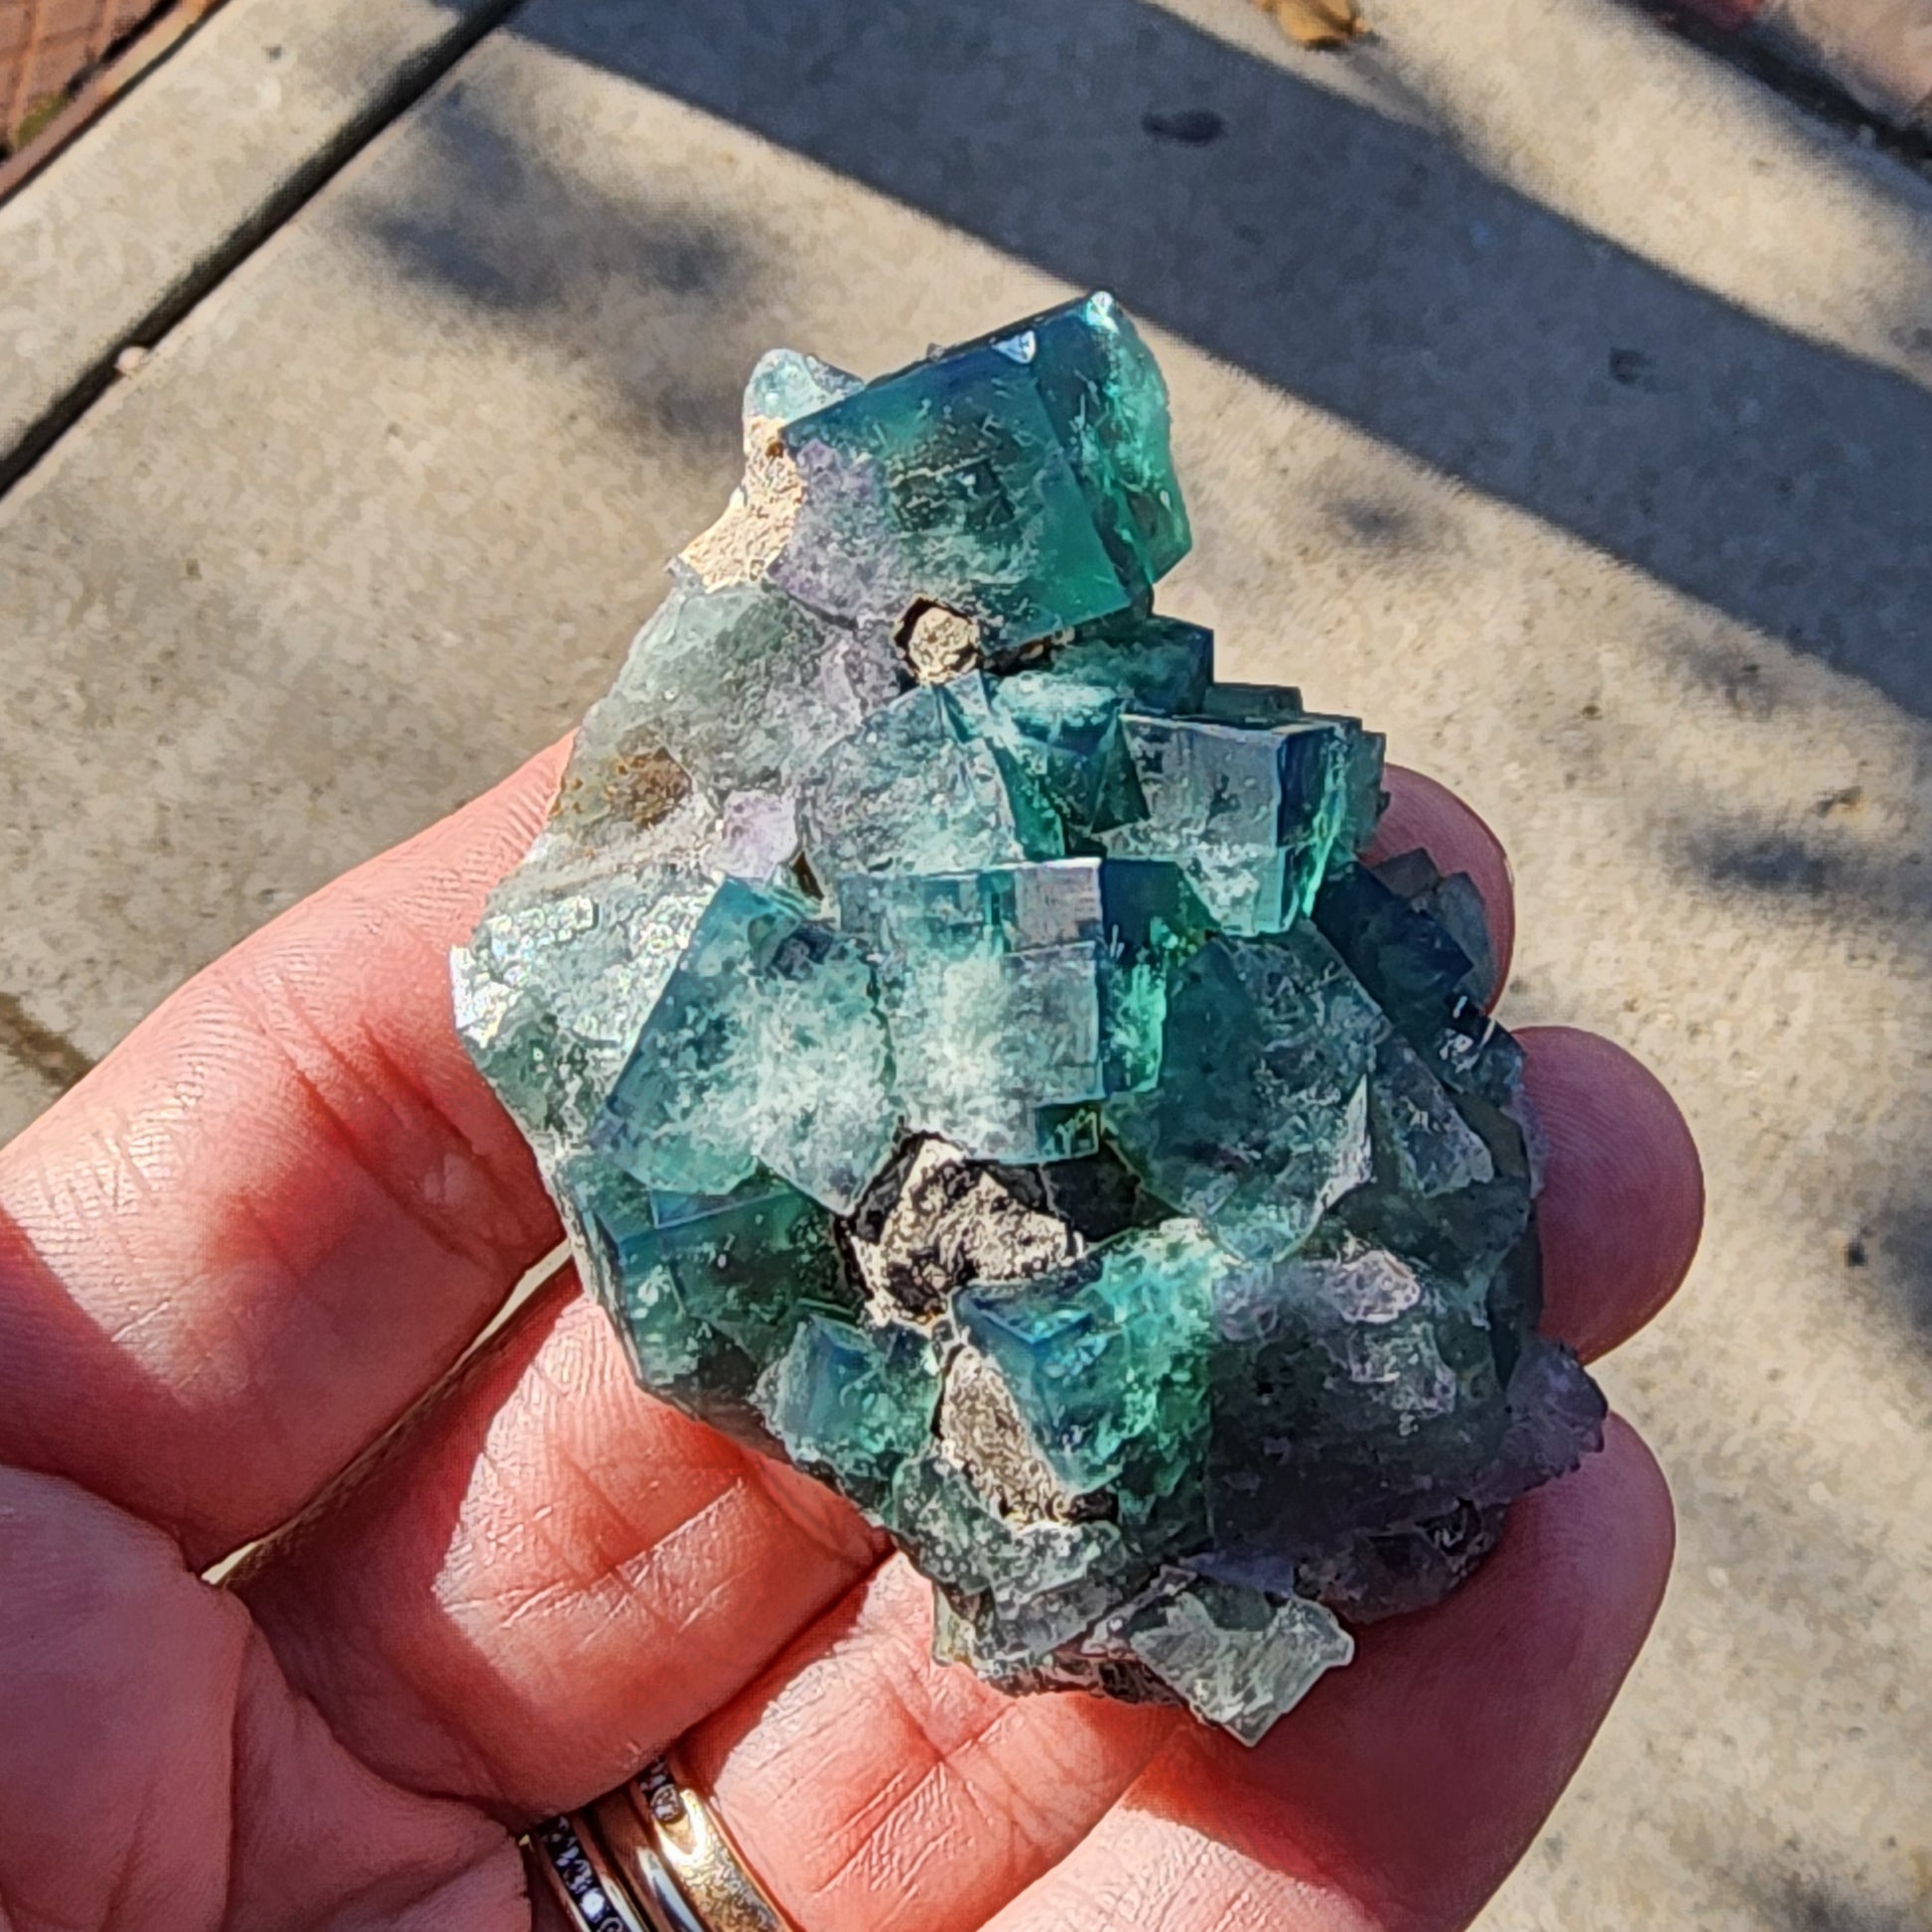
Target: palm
234 1257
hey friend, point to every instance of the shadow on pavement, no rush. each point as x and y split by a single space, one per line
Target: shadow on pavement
491 221
1362 265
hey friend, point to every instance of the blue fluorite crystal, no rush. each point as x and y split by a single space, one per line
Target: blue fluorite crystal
975 1060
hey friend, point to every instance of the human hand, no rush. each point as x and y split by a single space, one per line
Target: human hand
280 1212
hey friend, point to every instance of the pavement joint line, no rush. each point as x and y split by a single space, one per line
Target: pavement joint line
29 1043
411 79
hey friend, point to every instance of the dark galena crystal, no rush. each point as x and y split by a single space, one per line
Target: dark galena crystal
973 1059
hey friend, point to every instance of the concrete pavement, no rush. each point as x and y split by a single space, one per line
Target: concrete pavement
1557 399
133 225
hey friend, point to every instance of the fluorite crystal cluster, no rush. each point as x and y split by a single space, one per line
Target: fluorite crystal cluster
973 1060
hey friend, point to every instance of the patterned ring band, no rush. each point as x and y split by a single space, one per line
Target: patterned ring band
649 1856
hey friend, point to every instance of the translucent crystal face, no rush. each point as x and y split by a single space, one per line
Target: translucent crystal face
973 1060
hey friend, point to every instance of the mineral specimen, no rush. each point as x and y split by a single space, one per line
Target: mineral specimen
974 1062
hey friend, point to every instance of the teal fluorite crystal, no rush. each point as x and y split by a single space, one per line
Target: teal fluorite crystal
974 1060
1022 480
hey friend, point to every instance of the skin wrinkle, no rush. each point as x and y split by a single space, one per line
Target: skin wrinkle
544 1454
289 1281
337 1498
950 1776
1112 1892
1251 1896
109 1199
896 1792
460 1155
505 1609
1581 1639
296 1286
969 1765
631 1571
577 1579
465 1156
88 1564
253 1348
693 1622
218 1375
141 1827
1193 1858
444 1233
726 1585
616 1533
928 1847
457 1846
157 1313
1177 1875
67 1210
936 1771
241 1369
893 1797
1032 1821
131 1151
375 1682
439 1901
860 1548
247 1635
231 1864
625 1584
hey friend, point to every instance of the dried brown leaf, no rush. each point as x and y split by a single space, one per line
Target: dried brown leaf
1318 23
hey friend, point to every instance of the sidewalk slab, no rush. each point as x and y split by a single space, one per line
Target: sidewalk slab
120 233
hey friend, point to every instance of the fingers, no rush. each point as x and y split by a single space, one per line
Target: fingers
549 1576
873 1788
553 1575
556 1575
277 1212
155 1770
1401 1793
877 1791
1623 1203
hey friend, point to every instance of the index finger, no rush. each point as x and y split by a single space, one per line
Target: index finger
278 1212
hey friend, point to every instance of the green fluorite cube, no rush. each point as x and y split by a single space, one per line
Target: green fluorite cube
764 1050
1023 480
780 683
1256 810
1260 1120
1107 1357
918 787
851 1397
1241 1658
